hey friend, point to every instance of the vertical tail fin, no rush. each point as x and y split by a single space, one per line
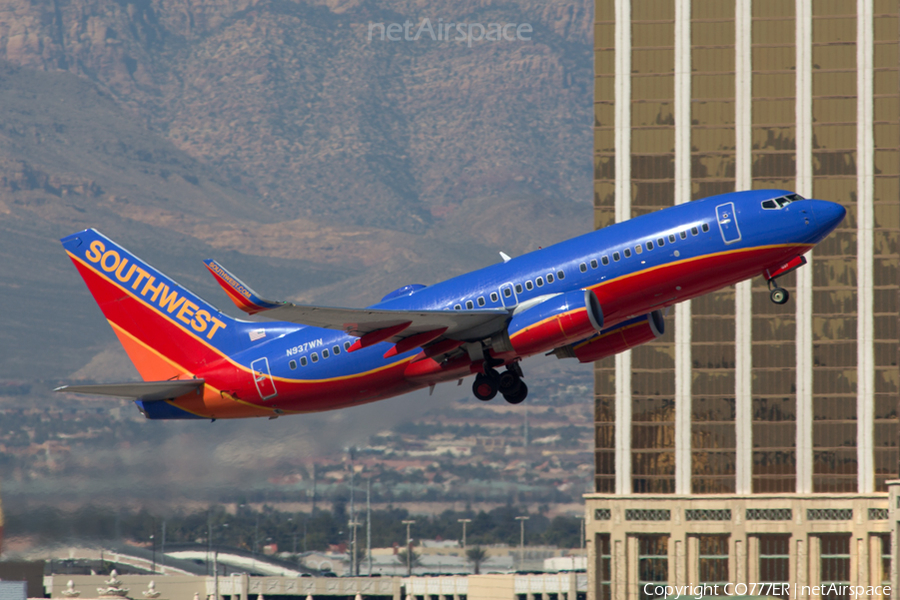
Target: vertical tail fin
167 331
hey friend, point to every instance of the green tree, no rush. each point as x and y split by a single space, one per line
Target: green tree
477 556
414 560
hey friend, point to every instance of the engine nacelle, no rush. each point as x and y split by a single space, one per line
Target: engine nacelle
620 338
556 321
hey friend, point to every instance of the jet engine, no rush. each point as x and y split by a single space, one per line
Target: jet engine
623 336
560 319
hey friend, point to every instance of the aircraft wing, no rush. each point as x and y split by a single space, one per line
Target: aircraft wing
372 325
145 390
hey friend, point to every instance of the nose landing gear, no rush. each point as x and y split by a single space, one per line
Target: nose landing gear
778 295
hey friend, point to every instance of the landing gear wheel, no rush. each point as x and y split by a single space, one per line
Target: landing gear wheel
485 388
508 383
779 295
519 395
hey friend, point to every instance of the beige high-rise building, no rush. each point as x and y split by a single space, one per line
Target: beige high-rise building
753 443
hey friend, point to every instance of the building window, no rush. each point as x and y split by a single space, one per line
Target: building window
774 563
835 565
885 558
604 568
653 563
713 559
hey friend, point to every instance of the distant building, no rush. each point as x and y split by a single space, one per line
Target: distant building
752 442
13 590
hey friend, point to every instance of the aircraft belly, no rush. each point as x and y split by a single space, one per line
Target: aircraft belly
640 292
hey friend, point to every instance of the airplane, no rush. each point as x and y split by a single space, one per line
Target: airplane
586 298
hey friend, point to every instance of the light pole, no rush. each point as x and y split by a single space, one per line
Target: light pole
408 547
464 521
354 565
521 521
153 543
581 531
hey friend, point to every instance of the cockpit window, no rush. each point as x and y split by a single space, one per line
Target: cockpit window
777 203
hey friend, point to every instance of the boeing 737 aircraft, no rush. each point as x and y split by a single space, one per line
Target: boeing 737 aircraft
585 298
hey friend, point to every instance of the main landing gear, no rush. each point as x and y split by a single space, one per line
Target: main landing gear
508 383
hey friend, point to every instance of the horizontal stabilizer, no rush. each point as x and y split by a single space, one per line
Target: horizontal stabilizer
145 390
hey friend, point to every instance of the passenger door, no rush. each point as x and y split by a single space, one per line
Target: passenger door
728 225
263 378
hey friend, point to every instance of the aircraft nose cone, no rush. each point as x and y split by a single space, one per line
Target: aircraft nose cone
828 214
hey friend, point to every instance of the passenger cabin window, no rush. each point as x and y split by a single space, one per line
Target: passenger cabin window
549 277
627 252
582 267
605 260
705 227
672 238
292 364
638 248
539 281
470 305
457 307
314 357
507 292
616 256
684 235
560 275
518 288
480 300
325 353
302 361
336 349
494 297
593 263
649 245
528 285
660 242
346 345
694 231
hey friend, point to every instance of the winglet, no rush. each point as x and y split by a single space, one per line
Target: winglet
506 258
243 297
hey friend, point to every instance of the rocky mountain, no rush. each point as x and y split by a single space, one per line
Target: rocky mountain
275 135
